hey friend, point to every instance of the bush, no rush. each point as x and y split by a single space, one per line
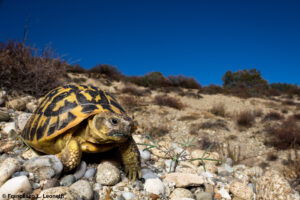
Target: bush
286 135
24 69
184 82
216 124
164 100
110 72
135 91
218 110
245 118
273 116
76 69
129 102
212 89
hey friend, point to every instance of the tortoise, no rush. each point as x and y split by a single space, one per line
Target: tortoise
73 118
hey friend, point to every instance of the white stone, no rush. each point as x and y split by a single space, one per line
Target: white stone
22 120
17 185
83 189
7 168
107 174
184 179
145 154
8 127
147 173
181 193
80 171
128 196
46 167
241 190
155 186
224 194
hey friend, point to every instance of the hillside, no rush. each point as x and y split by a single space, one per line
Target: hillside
255 139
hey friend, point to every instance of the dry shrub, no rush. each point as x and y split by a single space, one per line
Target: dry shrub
164 100
296 116
135 91
110 72
158 131
218 110
271 156
245 118
129 102
184 82
24 69
289 103
212 89
190 117
273 116
215 124
76 69
258 112
284 136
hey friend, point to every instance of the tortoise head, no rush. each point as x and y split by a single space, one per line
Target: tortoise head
110 127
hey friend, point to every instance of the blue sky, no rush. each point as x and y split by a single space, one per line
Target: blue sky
202 39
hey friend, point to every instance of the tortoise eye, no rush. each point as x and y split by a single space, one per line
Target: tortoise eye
114 121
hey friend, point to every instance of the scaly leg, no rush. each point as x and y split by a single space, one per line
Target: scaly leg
131 159
70 156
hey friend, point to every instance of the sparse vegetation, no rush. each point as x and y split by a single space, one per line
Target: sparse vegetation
245 118
273 116
210 124
164 100
157 132
129 102
284 136
135 91
190 117
110 72
24 69
218 110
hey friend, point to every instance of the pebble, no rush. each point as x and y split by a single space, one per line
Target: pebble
7 168
83 189
67 180
17 104
154 186
80 171
128 196
22 120
225 170
147 173
9 127
204 196
31 106
181 193
229 161
241 190
51 183
21 173
224 194
90 172
107 174
17 185
184 179
61 192
4 116
46 167
145 154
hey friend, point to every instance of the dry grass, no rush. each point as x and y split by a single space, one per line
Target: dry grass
218 110
245 118
296 116
190 117
273 116
164 100
159 131
129 102
284 136
135 91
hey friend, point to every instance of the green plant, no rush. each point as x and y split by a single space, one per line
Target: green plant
178 156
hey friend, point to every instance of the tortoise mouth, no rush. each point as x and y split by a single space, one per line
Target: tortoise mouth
119 134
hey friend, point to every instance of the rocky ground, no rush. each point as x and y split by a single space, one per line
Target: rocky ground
247 169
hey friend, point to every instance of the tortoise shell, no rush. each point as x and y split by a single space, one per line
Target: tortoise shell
65 107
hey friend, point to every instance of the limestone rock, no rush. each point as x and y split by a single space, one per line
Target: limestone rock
241 190
22 120
181 193
154 186
7 168
107 174
14 186
59 193
45 167
83 189
184 180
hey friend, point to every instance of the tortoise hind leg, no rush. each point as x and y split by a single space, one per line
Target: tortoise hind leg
70 155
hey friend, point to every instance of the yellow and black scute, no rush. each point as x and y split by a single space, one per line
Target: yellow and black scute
65 107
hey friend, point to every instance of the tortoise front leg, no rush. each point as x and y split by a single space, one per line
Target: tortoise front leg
70 155
131 159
